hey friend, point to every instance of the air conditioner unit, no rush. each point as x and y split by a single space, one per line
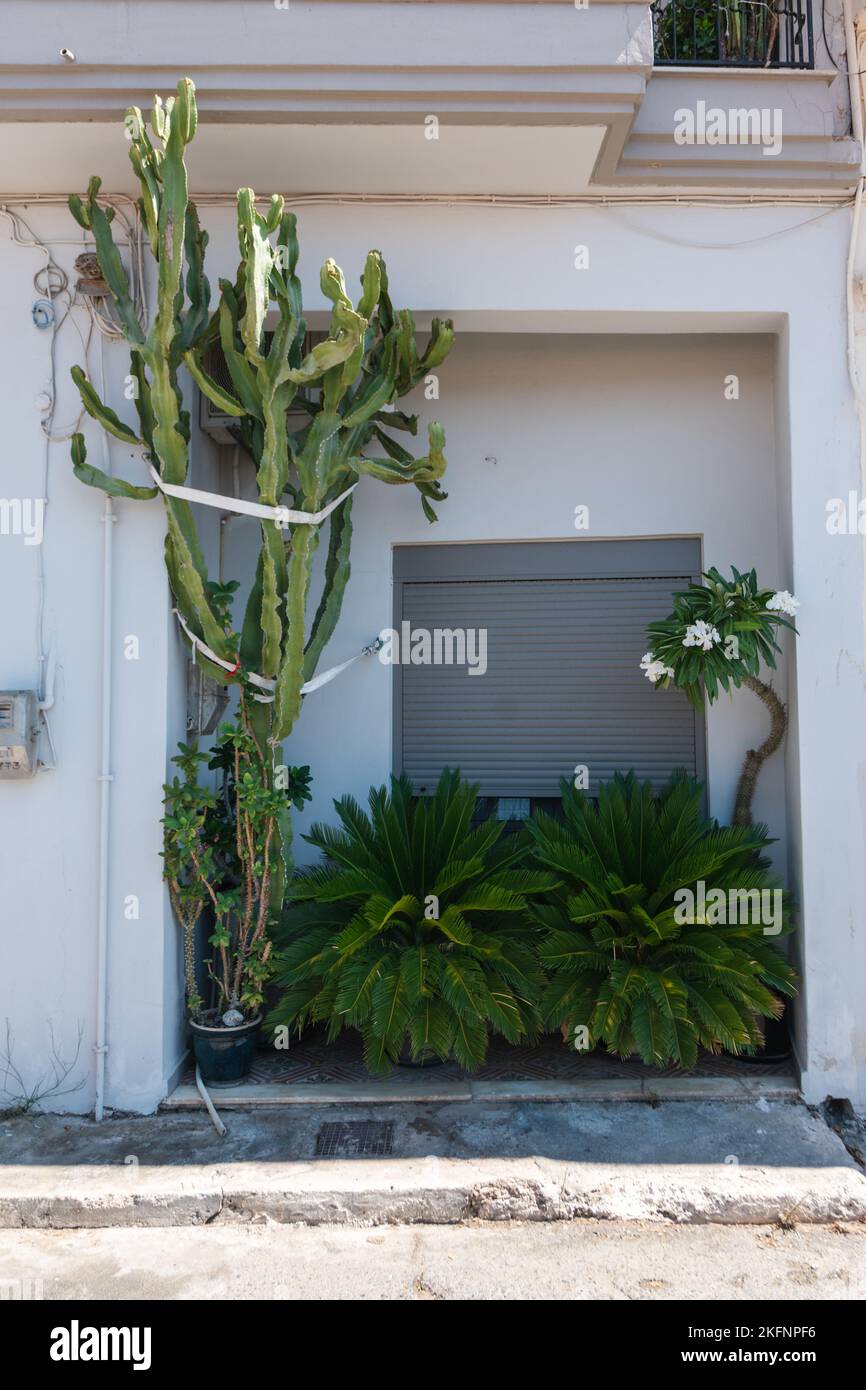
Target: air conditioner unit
221 427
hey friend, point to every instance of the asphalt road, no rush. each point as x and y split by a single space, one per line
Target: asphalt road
580 1260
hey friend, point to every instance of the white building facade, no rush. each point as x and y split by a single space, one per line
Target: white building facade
656 321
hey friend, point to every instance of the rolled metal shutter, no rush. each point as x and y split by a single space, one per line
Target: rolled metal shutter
566 628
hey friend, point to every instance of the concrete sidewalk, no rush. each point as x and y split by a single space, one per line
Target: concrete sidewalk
758 1162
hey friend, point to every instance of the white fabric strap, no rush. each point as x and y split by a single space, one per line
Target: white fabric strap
333 671
265 682
198 645
283 516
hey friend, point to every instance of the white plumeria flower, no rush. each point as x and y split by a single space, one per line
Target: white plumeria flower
783 602
648 664
701 634
654 669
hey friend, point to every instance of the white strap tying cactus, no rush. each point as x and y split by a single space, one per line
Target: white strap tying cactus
264 682
283 516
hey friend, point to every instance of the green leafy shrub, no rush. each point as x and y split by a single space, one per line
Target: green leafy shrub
625 963
716 31
219 852
414 930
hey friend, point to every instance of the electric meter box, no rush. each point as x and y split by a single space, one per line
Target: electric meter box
19 732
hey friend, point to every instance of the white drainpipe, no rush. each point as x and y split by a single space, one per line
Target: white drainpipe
852 56
108 520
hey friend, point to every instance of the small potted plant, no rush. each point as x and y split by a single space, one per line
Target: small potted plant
221 863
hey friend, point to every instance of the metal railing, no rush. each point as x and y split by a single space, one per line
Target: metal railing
733 33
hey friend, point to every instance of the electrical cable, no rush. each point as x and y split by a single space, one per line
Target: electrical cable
732 245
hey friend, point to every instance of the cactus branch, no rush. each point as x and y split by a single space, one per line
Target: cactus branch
337 571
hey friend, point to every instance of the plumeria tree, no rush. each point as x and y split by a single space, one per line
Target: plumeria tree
718 635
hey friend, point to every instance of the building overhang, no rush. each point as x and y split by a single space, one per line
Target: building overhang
378 96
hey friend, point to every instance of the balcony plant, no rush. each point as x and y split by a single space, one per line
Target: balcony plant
638 939
413 930
717 32
717 636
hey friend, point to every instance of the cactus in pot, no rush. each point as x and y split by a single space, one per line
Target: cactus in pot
368 360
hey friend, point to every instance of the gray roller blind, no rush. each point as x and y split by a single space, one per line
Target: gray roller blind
563 685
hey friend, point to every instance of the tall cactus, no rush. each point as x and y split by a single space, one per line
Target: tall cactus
181 317
369 359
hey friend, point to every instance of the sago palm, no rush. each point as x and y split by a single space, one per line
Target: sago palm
628 961
414 930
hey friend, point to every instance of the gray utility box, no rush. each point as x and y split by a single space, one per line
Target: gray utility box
19 732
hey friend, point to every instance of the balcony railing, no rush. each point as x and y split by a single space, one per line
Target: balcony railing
733 33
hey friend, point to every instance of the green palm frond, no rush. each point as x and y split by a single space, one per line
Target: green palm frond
420 971
454 925
353 1000
457 872
390 1010
570 998
491 897
431 1028
567 950
463 985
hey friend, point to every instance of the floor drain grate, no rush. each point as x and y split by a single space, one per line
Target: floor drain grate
354 1138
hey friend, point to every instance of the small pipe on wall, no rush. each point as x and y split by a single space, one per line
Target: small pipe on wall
100 1046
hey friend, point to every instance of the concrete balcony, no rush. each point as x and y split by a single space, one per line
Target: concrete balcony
386 96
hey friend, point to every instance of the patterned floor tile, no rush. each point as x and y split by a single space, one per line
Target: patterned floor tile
313 1061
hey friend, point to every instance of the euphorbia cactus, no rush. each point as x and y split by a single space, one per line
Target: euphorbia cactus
181 317
368 360
716 637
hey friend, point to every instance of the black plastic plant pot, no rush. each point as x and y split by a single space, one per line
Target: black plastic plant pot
225 1055
427 1059
777 1042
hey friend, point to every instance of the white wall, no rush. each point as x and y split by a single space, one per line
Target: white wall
49 825
656 271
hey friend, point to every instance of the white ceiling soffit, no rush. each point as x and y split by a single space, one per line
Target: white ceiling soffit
316 159
537 80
